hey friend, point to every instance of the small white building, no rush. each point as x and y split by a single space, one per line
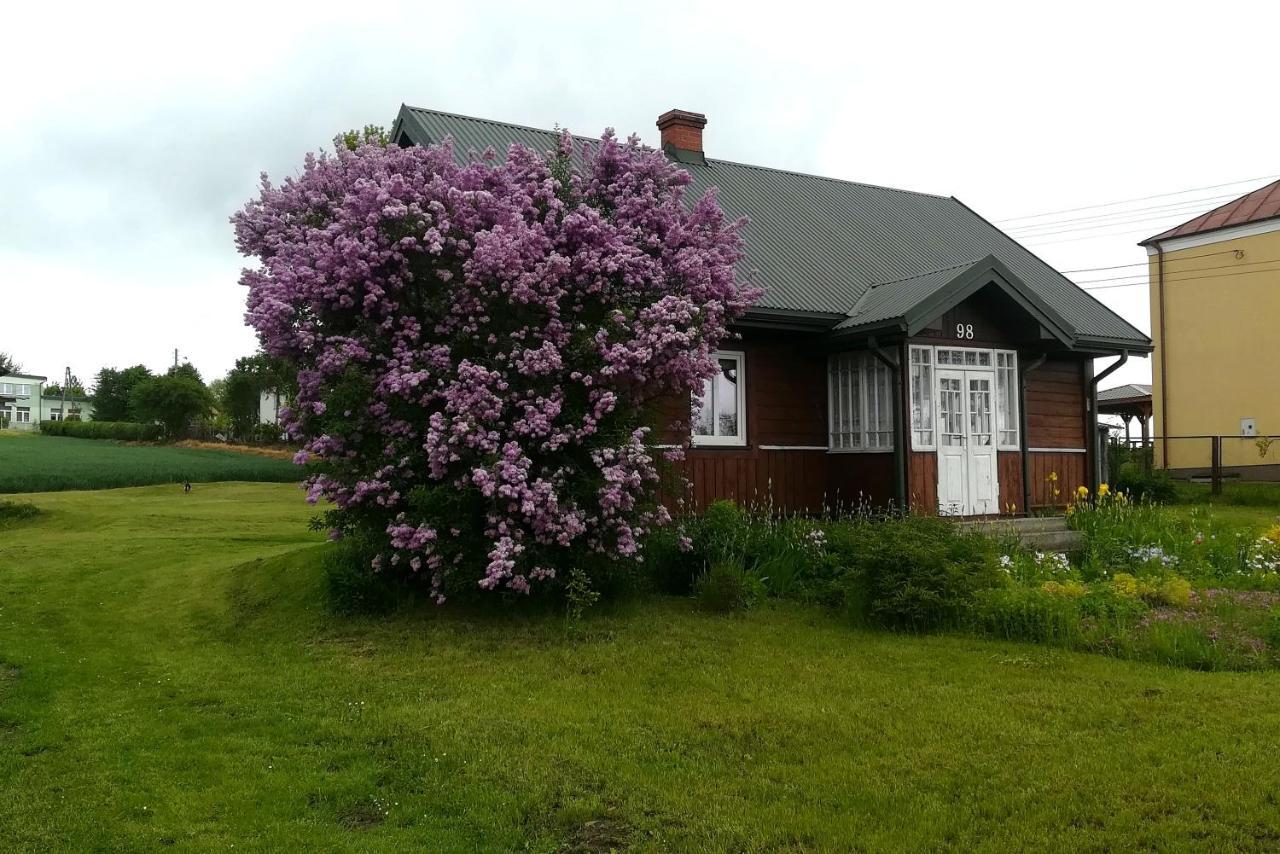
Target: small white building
269 407
20 400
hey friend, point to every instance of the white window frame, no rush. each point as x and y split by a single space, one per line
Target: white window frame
994 358
853 408
930 391
1015 402
739 440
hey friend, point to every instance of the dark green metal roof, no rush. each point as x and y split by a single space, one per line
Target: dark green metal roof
820 245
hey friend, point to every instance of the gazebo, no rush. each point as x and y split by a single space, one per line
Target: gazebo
1128 402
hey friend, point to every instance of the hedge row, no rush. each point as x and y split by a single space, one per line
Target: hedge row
123 430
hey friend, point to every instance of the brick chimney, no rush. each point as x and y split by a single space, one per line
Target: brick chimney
682 130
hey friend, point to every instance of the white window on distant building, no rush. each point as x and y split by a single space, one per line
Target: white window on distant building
55 414
720 417
23 415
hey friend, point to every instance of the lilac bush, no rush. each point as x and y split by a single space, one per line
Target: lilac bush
480 347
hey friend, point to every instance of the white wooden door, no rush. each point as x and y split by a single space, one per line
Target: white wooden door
984 487
953 470
968 477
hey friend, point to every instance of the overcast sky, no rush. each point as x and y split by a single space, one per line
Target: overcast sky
131 133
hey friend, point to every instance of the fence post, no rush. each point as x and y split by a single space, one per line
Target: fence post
1217 465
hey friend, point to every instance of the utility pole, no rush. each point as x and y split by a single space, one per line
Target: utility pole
175 357
66 381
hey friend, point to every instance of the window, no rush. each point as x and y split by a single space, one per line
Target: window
1007 398
23 415
859 403
719 418
924 387
922 398
16 389
55 414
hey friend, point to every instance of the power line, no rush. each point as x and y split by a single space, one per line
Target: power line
1171 208
1139 198
1168 278
1122 233
1163 217
1144 263
1181 272
1198 208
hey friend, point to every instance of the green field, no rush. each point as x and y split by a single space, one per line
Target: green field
169 676
33 463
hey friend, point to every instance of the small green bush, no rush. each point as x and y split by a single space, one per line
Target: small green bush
726 586
1143 483
13 512
915 573
122 431
354 587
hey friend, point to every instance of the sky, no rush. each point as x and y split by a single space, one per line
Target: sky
133 131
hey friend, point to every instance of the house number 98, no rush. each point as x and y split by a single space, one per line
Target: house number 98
964 330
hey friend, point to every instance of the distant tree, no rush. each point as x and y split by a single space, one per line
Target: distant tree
174 400
8 365
113 393
186 369
242 390
76 389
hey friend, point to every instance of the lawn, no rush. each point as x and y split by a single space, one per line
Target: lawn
33 463
169 675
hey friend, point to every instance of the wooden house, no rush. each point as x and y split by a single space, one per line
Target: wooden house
905 350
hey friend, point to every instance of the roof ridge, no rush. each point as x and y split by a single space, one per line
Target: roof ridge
710 160
968 263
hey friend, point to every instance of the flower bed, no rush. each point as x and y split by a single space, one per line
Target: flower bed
1150 584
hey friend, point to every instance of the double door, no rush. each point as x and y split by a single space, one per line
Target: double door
968 473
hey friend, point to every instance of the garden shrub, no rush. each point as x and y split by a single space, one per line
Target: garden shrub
1143 483
727 586
122 431
915 573
480 348
351 588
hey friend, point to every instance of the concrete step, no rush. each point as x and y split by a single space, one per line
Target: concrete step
1020 525
1053 541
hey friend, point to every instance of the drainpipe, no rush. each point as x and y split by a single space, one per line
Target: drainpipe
1022 431
1164 380
899 434
1093 419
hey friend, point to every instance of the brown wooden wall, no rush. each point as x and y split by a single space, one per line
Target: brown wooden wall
1056 413
786 405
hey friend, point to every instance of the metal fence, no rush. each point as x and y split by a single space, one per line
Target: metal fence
1210 459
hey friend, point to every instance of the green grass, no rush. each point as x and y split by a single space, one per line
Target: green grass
33 463
168 675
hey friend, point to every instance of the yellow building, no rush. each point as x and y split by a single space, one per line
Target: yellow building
1215 320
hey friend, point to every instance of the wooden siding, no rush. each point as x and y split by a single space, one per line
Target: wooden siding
1056 404
922 482
786 405
1009 470
1071 470
858 479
